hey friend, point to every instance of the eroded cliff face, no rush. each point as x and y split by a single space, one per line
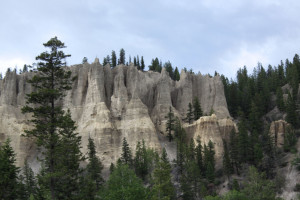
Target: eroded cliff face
109 104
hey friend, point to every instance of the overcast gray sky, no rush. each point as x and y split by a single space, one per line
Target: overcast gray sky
204 35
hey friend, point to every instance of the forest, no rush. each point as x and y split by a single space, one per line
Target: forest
251 158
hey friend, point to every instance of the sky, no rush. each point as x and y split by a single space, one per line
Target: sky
204 35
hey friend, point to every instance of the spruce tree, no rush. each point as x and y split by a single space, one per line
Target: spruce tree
30 183
227 164
94 167
8 172
233 150
113 59
51 126
197 109
170 124
190 114
199 157
279 99
134 61
122 56
138 62
176 74
142 64
140 160
163 187
126 156
292 116
124 184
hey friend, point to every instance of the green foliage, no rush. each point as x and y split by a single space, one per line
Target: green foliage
94 167
155 65
122 56
290 140
170 124
8 172
141 160
126 156
209 162
227 164
113 59
124 184
163 188
292 115
176 74
197 109
190 114
279 99
142 64
53 128
257 182
30 184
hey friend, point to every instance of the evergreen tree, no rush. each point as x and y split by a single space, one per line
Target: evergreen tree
29 181
233 150
142 64
197 109
163 188
140 160
190 114
155 65
209 162
176 74
170 124
94 167
25 68
138 62
126 157
122 56
227 164
290 140
199 157
169 69
134 61
257 187
113 59
243 142
292 116
8 172
52 127
1 76
279 99
124 184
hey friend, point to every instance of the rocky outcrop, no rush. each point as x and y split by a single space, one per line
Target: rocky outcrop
278 130
111 103
209 128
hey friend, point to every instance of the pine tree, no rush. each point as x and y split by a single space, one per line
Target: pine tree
227 166
52 126
199 157
233 150
122 56
170 124
134 61
169 69
113 59
292 116
197 109
8 172
163 188
140 160
94 167
176 74
138 62
126 156
190 114
279 99
124 184
29 181
142 64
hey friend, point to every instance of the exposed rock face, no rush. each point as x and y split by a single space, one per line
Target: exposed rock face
210 128
109 104
278 130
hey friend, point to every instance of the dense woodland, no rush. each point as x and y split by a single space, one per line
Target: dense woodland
250 162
